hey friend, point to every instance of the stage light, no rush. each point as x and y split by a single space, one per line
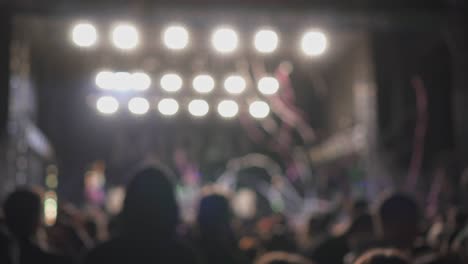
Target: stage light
125 36
140 81
203 83
168 106
314 43
268 85
234 84
104 80
266 41
198 107
176 37
228 108
84 35
259 109
171 82
138 106
50 208
107 105
225 40
122 81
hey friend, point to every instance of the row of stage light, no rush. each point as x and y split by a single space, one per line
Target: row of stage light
109 105
172 82
224 39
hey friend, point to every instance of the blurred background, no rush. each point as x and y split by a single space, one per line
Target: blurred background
293 103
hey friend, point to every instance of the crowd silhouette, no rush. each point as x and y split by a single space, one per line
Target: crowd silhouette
392 229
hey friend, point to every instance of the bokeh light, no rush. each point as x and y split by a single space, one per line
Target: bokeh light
314 43
168 106
198 108
225 40
268 85
122 81
203 83
138 106
176 37
107 105
84 35
125 36
171 82
259 109
266 41
235 84
104 80
140 81
228 108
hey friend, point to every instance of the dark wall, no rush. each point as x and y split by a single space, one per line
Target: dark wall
5 33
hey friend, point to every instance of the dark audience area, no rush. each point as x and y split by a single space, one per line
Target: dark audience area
390 230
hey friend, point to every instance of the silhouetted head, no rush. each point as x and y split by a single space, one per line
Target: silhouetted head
282 258
214 213
398 220
150 207
22 211
382 256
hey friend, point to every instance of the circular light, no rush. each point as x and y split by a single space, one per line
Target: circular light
107 105
314 43
140 81
266 41
234 84
122 81
225 40
125 36
84 35
171 82
259 109
198 108
104 80
168 107
176 37
268 85
138 106
203 83
228 108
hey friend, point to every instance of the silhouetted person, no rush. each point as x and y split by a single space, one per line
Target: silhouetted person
22 217
383 256
398 219
216 239
149 221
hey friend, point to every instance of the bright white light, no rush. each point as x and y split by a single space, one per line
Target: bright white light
228 108
234 84
176 37
122 81
125 36
107 105
314 43
104 80
266 41
168 106
140 81
225 40
198 107
259 109
171 82
50 208
138 106
203 83
268 85
84 35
